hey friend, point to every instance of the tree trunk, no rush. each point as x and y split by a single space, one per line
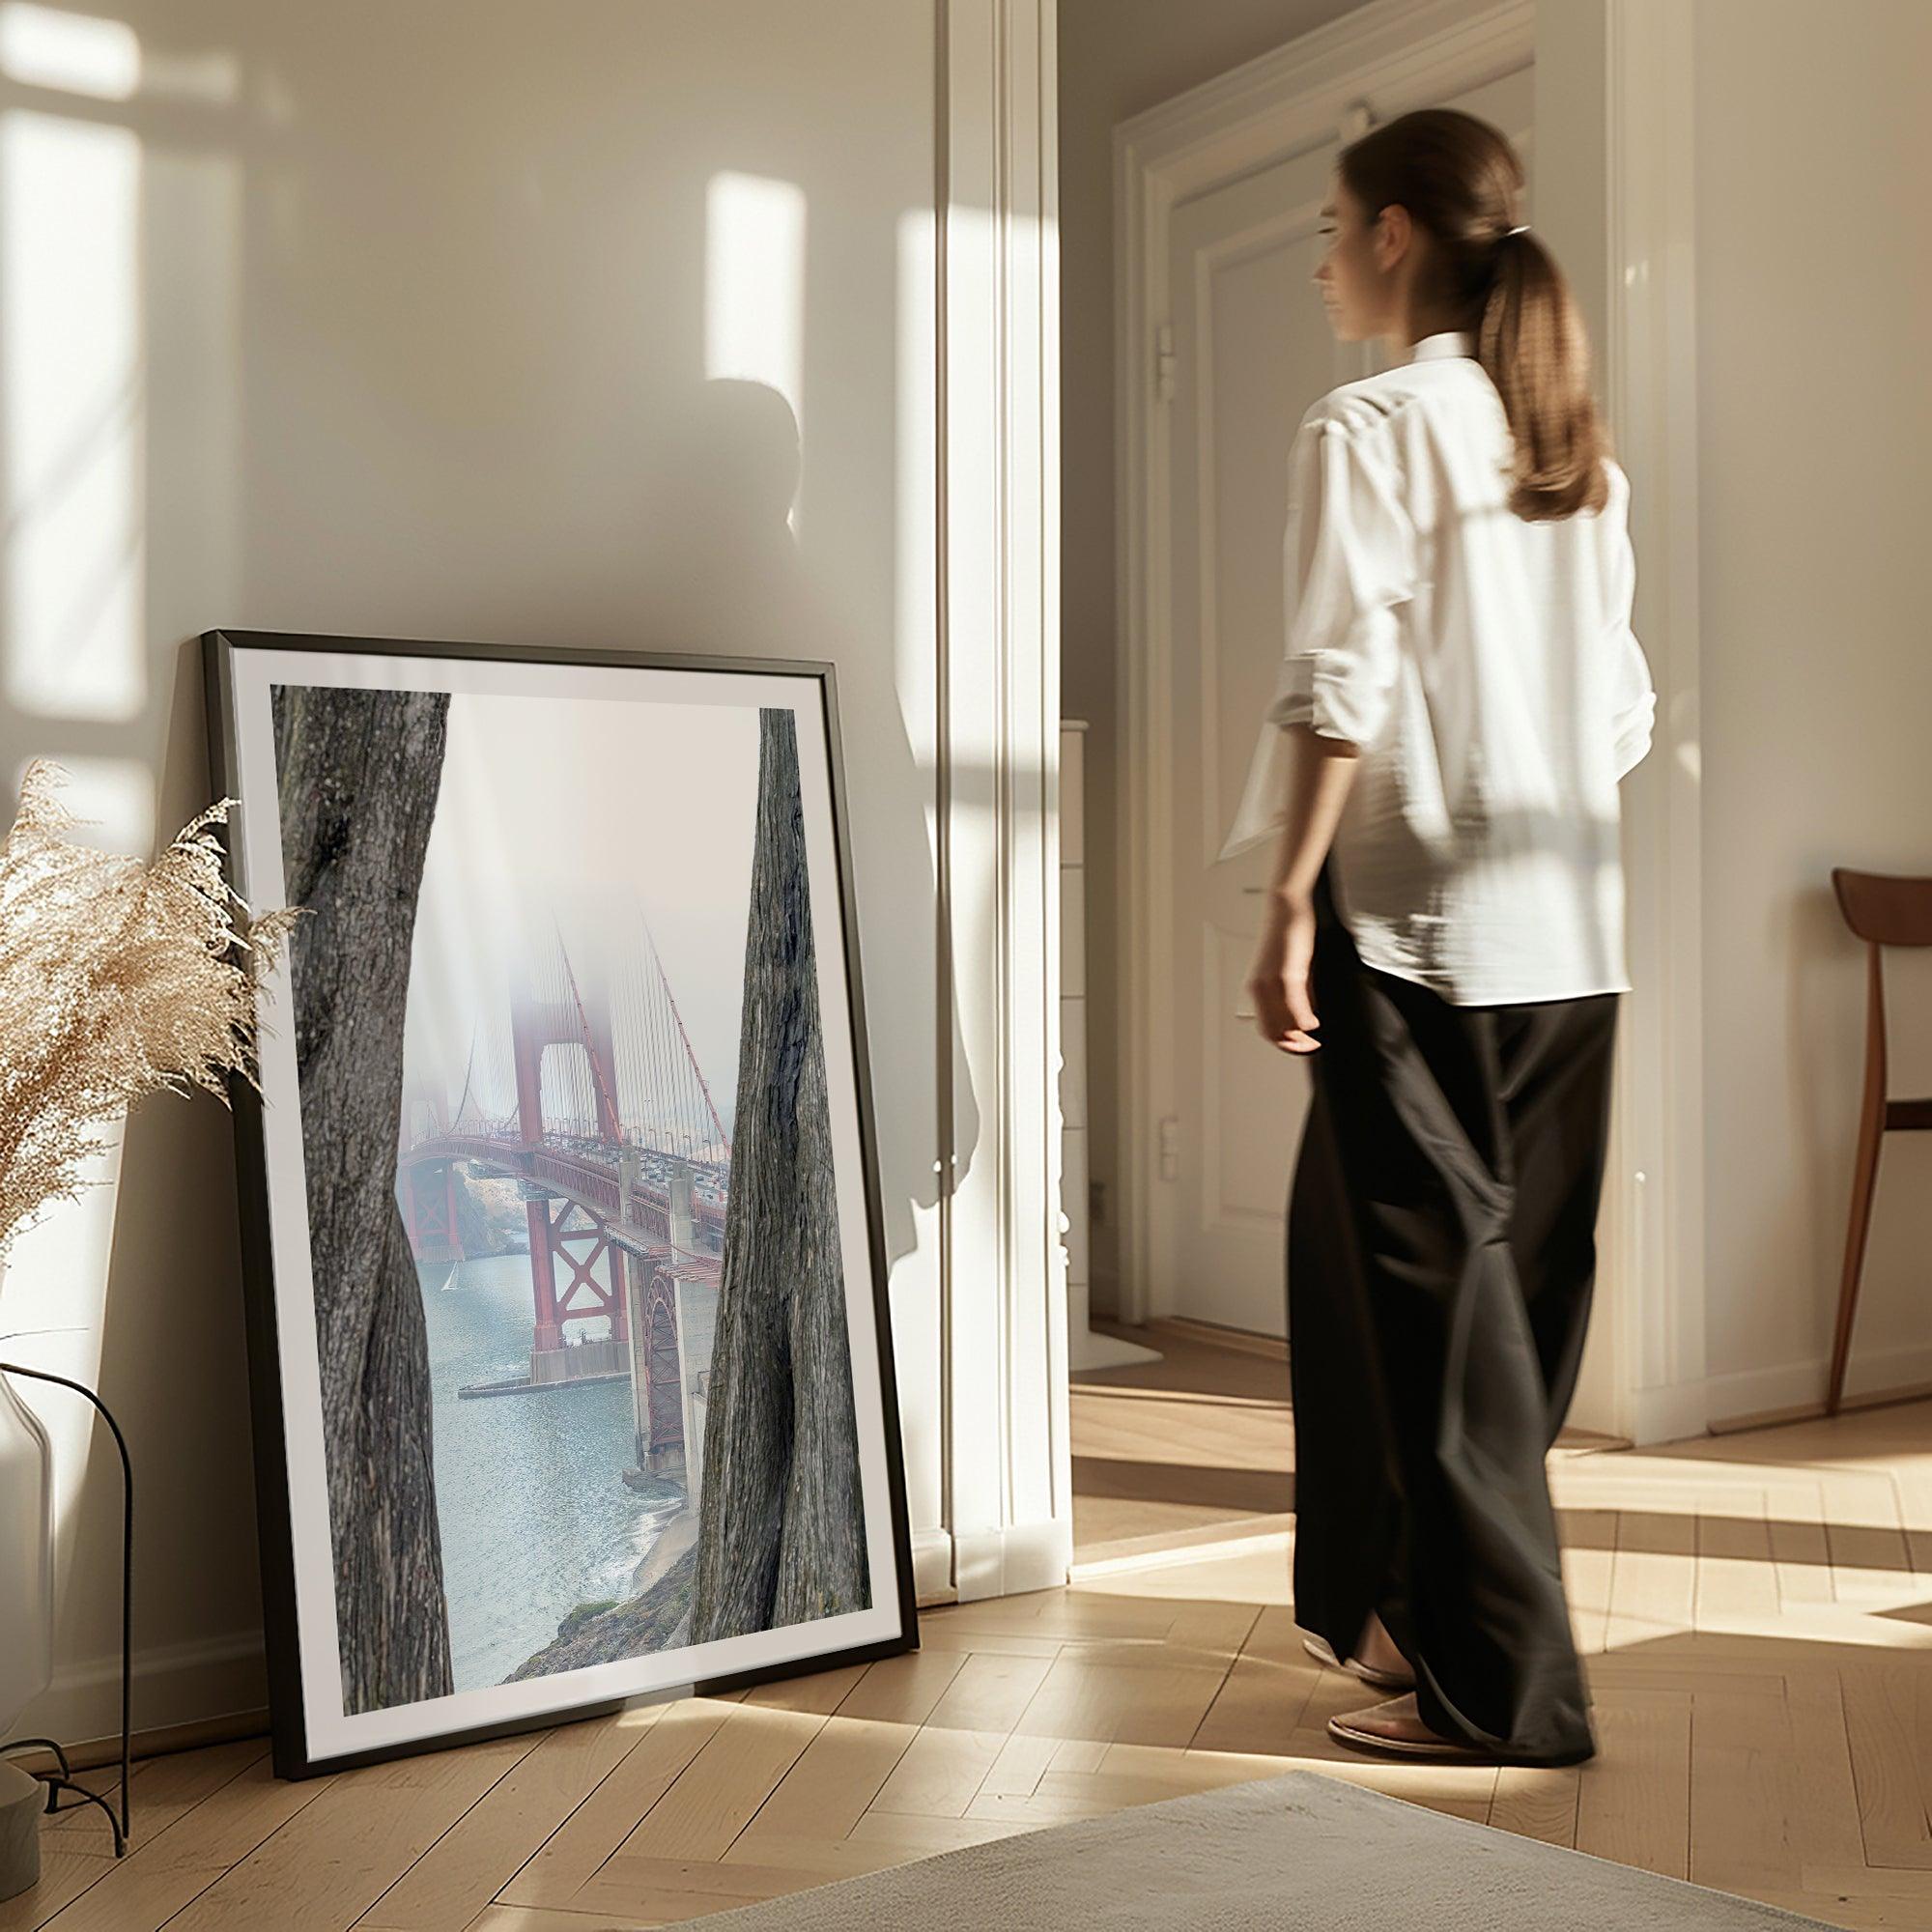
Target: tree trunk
781 1531
359 773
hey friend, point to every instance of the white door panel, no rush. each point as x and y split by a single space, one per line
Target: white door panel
1252 349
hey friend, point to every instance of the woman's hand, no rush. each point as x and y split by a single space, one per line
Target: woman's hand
1278 979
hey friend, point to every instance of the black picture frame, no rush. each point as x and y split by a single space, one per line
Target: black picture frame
298 1750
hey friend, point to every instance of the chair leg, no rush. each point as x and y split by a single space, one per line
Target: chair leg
1864 1180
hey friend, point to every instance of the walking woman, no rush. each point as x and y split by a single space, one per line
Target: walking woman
1460 695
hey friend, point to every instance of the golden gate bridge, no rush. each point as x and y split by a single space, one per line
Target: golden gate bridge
584 1089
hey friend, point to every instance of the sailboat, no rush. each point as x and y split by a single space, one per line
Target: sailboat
449 1280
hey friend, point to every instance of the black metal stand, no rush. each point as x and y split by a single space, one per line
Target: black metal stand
62 1780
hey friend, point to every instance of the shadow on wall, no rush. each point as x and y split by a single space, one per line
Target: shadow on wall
718 561
506 336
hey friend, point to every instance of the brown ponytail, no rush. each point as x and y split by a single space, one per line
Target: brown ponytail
1460 179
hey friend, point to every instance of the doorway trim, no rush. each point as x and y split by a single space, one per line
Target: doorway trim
1650 332
1006 1477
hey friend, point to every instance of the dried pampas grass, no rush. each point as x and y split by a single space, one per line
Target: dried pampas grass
116 979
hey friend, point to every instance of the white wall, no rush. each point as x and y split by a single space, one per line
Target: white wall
1117 59
1814 293
399 320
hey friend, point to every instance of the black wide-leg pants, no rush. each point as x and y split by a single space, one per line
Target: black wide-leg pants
1440 1258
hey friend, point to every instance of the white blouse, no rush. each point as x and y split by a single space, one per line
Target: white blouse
1487 669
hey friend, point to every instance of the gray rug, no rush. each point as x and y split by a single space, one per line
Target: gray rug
1300 1852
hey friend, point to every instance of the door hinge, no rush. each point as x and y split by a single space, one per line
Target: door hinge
1163 363
1169 1148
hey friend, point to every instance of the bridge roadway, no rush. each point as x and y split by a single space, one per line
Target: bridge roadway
591 1181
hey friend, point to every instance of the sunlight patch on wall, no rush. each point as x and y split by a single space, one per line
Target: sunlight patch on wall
72 412
75 53
754 284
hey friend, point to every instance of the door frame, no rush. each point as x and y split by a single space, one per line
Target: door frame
1613 170
1005 1474
1631 61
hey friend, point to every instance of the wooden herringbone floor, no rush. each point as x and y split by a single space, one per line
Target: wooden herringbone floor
1757 1609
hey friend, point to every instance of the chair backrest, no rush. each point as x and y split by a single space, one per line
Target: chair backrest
1886 910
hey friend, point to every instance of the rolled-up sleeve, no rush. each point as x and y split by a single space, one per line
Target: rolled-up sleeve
1633 704
1349 560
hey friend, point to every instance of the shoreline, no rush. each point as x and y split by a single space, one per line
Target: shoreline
673 1540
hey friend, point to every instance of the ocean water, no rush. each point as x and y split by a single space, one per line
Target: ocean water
535 1516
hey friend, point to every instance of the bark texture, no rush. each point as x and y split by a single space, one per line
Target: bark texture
781 1528
359 773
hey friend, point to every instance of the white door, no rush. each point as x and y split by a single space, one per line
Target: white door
1250 349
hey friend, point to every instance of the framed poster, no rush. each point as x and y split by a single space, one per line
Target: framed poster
564 1266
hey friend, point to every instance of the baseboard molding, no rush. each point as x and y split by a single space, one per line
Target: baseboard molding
175 1686
1753 1398
1243 1340
90 1753
1009 1561
1790 1392
1674 1412
187 1694
932 1567
1814 1411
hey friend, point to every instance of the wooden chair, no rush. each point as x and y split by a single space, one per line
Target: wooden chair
1883 911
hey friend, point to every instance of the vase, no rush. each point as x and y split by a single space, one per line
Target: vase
27 1557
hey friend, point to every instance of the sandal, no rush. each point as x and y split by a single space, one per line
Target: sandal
1324 1652
1348 1729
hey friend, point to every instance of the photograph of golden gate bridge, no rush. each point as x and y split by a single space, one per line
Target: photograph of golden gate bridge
587 1385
